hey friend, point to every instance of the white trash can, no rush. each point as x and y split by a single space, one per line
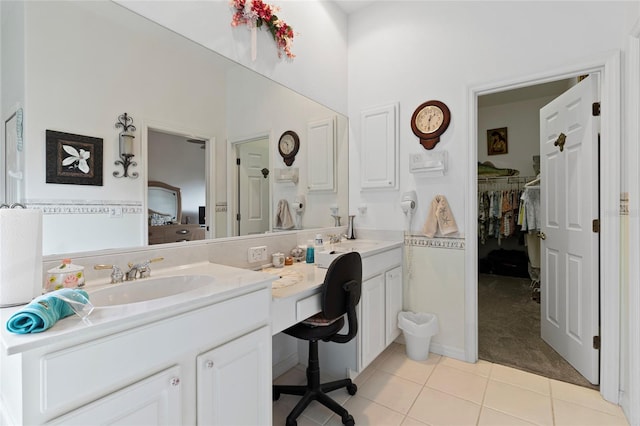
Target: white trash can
418 328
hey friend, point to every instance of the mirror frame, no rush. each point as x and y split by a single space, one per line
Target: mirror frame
175 189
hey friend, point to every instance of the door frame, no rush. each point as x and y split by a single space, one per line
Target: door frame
209 171
608 66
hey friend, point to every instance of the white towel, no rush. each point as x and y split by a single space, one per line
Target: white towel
440 216
283 216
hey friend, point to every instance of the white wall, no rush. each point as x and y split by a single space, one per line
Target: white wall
319 69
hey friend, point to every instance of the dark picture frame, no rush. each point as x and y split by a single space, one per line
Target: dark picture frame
73 159
497 141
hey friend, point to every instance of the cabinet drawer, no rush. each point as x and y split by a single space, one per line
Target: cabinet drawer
77 375
381 262
308 307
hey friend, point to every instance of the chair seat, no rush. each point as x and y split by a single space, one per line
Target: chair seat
310 332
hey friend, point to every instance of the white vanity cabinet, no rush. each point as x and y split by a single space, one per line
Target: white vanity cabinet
208 364
380 303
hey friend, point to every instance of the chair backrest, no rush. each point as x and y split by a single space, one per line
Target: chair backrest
341 292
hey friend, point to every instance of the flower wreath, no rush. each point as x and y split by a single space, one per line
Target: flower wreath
255 13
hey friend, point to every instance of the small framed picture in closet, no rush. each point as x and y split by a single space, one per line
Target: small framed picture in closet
497 141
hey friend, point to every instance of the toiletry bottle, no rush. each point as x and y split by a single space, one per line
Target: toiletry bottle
310 252
319 242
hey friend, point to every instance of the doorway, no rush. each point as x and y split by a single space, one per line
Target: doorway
608 66
509 309
184 161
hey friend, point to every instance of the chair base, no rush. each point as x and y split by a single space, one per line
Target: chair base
316 391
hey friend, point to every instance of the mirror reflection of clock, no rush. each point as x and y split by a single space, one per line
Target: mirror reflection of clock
287 144
429 119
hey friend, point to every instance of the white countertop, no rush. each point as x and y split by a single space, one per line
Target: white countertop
299 279
229 282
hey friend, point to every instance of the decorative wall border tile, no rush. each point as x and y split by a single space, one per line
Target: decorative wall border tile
50 207
444 243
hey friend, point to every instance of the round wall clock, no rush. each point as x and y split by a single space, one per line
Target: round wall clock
429 121
288 146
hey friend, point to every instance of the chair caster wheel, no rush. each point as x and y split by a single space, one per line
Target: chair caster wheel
291 423
348 420
275 395
352 389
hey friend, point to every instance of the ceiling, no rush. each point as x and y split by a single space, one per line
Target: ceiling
350 6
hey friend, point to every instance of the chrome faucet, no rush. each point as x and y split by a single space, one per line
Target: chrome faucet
143 269
138 270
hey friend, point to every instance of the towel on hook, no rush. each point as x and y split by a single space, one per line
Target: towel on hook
283 216
440 216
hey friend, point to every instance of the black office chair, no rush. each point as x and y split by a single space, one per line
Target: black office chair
340 295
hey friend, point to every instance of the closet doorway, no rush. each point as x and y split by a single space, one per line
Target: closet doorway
509 266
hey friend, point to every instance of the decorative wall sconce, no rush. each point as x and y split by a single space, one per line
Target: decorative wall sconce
126 146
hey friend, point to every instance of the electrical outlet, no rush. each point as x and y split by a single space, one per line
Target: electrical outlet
257 254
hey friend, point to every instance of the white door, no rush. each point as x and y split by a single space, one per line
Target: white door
569 204
234 382
253 193
373 333
156 400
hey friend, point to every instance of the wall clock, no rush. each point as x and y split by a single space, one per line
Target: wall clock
288 146
429 121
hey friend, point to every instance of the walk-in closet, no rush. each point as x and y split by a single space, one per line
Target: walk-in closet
509 254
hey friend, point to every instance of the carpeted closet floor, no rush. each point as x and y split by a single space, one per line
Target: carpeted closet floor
509 330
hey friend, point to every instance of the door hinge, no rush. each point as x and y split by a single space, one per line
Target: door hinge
595 109
595 225
238 217
596 342
238 161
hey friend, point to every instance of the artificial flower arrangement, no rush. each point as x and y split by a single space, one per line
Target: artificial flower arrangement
255 13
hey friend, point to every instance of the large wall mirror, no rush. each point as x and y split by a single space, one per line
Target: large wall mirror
89 62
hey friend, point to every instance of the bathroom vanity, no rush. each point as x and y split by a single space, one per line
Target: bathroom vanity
197 357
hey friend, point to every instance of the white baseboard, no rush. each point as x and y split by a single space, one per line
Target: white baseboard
438 348
285 365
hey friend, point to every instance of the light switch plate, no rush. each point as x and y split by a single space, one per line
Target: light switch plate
257 254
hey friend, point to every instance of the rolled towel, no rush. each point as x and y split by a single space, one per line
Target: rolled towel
440 216
44 311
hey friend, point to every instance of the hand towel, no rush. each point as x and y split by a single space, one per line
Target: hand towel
43 312
283 216
440 216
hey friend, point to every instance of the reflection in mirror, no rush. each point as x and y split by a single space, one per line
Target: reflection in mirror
76 83
251 202
165 204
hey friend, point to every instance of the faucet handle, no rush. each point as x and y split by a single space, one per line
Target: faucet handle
143 268
117 276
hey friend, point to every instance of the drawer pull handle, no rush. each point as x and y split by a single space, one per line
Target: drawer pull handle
175 381
209 364
182 232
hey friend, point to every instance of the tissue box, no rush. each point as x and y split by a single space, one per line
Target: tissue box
325 257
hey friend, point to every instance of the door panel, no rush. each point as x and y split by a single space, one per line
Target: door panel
569 202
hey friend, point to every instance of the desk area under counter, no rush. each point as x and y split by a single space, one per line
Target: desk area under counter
296 296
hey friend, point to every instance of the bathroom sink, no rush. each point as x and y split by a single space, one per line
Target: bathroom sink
143 290
355 245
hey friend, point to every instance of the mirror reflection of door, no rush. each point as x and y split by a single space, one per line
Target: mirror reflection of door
252 199
180 161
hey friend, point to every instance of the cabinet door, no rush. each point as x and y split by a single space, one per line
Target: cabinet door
379 148
393 288
321 155
234 382
153 401
372 319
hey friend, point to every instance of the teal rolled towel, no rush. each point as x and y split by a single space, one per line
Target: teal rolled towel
43 311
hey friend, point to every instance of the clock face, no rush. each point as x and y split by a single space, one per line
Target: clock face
429 119
287 144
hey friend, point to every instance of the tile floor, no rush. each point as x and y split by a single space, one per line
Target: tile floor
395 390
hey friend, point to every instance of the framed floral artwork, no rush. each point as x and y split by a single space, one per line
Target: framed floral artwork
497 142
73 159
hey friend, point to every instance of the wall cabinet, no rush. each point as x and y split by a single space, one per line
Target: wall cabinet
379 148
209 366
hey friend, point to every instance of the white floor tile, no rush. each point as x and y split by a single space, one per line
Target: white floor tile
391 391
569 414
366 412
458 383
518 402
438 408
521 378
585 397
